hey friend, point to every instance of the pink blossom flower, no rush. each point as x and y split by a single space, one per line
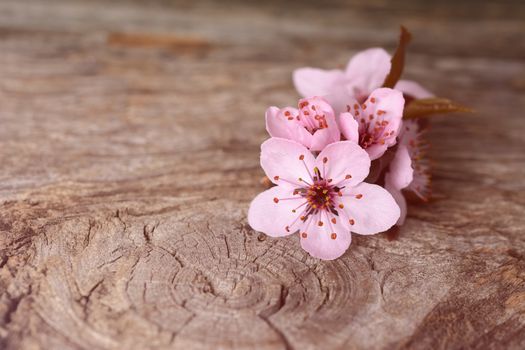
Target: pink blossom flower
410 169
323 198
375 123
365 72
313 125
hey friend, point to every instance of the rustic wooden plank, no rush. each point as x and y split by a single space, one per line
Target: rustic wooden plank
129 137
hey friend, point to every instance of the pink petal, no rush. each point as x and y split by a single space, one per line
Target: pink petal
328 241
344 162
349 127
376 151
279 125
265 215
333 128
401 202
285 161
317 82
370 209
339 99
413 89
400 174
312 112
383 105
321 138
276 127
391 103
303 137
368 69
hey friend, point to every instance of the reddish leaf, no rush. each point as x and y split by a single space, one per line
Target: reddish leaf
398 60
428 106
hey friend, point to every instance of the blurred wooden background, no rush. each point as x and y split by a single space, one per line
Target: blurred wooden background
129 141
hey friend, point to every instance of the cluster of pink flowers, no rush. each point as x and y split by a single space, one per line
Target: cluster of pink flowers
343 159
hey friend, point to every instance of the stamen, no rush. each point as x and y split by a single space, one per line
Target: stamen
290 182
333 235
300 216
286 199
301 158
295 209
307 224
345 216
359 196
301 180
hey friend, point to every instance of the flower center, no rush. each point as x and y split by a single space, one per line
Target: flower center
373 133
319 198
310 117
320 195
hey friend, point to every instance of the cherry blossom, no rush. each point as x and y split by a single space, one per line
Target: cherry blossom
313 124
365 72
375 123
323 198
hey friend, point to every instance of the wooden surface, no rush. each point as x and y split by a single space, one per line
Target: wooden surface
129 141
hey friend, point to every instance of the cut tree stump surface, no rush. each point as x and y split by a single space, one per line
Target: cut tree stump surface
129 152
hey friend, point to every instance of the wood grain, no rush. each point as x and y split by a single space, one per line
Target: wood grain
129 141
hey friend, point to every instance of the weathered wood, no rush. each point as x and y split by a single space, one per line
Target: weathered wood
129 140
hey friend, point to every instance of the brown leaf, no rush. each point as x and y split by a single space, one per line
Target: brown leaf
266 182
398 60
428 106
